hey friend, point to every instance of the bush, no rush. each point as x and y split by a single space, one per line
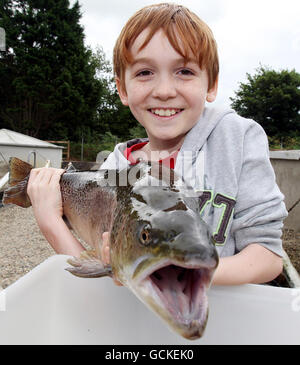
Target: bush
90 150
285 143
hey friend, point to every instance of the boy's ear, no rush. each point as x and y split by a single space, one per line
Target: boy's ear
122 93
212 92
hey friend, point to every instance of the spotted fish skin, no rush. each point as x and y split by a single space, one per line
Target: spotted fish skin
160 248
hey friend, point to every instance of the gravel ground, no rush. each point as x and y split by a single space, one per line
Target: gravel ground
22 246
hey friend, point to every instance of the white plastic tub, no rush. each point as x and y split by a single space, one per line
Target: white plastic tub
51 306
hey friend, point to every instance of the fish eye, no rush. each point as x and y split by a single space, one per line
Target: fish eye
145 235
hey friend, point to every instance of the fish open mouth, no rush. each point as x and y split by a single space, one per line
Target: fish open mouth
181 295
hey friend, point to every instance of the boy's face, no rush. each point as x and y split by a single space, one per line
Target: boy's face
165 95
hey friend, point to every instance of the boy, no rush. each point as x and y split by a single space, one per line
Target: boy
166 67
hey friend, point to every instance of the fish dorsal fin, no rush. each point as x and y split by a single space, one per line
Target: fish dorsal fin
88 265
70 167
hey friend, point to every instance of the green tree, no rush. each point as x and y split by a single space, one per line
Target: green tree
48 86
112 116
272 99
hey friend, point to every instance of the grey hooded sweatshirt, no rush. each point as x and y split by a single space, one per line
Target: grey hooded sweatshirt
228 159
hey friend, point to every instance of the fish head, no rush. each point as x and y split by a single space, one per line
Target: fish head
163 251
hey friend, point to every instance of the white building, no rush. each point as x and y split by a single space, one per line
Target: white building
29 149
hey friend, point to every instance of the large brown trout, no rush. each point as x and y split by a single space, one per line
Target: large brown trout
160 248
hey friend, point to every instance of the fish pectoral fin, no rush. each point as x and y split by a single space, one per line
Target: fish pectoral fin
88 266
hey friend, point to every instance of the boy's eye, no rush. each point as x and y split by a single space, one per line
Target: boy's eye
186 72
144 73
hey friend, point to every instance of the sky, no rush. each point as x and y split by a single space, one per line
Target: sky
249 33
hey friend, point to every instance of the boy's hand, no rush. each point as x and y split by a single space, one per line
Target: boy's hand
44 192
105 253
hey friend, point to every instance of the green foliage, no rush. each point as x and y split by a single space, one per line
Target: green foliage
288 142
52 86
112 116
48 82
108 142
138 132
272 99
90 151
91 147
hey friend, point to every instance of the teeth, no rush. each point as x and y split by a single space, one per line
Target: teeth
164 112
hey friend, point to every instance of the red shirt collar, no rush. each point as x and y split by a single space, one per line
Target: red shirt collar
168 161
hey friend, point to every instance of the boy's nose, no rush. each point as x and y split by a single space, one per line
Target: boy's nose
164 88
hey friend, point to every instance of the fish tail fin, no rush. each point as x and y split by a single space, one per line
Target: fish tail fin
16 193
88 265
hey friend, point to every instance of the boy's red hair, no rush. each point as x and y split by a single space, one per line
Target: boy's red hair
188 35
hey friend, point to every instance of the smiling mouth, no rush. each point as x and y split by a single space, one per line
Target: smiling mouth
165 112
